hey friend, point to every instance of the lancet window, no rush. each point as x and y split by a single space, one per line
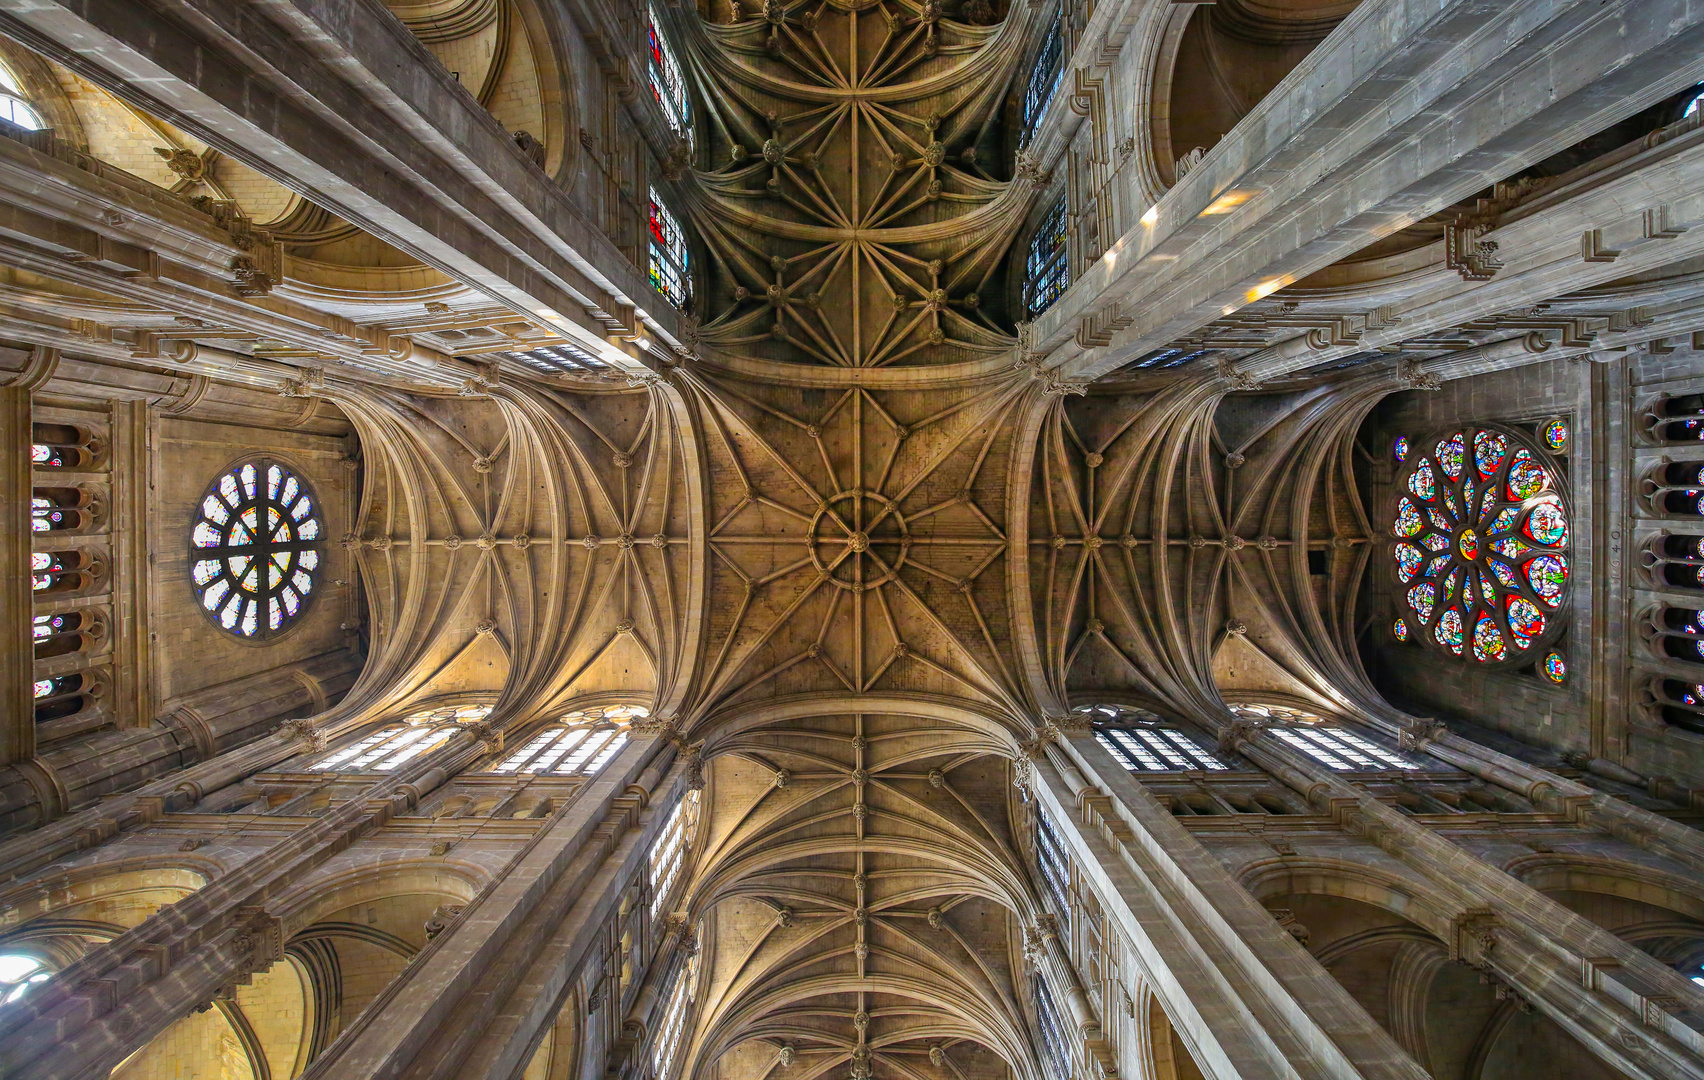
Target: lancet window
58 634
1141 742
59 446
1055 1045
667 83
1054 864
57 571
1678 419
1677 489
1680 634
580 744
671 1023
13 108
1479 546
1046 270
59 509
394 745
670 274
1678 561
1334 747
255 549
57 697
1045 76
1680 703
670 851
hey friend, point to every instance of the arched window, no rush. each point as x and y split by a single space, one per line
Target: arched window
1045 76
666 80
54 572
13 108
255 549
58 697
1679 634
669 852
669 257
56 635
18 973
1046 271
1142 742
59 446
388 748
1480 531
1334 747
1054 864
1680 703
1677 561
1677 489
1678 419
580 744
59 509
671 1022
1056 1044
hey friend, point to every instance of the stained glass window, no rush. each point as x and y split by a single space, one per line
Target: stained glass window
1555 668
256 549
669 852
667 83
49 569
1555 434
394 744
1331 745
1400 448
669 256
56 510
58 446
1055 1042
1678 419
1045 77
580 744
1046 271
1141 742
1480 545
1678 489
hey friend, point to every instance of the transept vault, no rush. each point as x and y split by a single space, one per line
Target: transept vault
852 540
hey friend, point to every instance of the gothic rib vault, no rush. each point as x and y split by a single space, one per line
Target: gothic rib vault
859 526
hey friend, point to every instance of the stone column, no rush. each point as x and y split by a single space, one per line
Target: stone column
1246 996
1638 1015
17 653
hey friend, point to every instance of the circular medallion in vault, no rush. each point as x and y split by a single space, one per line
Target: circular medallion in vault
859 540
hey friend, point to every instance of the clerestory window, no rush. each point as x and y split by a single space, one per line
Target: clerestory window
1055 865
18 974
13 108
1046 271
394 745
1045 77
667 83
580 744
1334 747
670 266
669 852
1055 1043
671 1025
1141 742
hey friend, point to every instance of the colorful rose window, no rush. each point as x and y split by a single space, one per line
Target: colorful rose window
255 549
1481 545
1400 448
1555 435
1555 668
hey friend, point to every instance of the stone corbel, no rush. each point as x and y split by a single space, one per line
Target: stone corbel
1416 735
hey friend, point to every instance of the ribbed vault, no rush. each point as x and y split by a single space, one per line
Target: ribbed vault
857 209
859 889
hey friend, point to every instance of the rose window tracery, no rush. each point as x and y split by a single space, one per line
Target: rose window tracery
255 549
1481 532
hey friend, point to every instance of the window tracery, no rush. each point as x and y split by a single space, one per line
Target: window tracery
667 83
60 509
58 634
58 697
1056 1046
1055 866
580 744
1480 537
669 852
393 745
1335 747
1142 742
53 572
669 259
59 446
1046 270
1677 489
256 549
1679 703
1679 634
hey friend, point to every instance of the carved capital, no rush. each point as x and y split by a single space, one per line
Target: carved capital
304 730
